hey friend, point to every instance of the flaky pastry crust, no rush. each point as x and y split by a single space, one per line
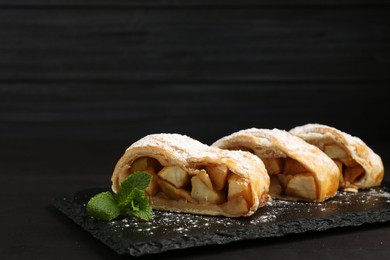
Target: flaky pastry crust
322 135
192 156
276 143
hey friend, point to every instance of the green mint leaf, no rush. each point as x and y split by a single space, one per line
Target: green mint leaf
103 206
145 214
130 200
134 206
137 180
138 205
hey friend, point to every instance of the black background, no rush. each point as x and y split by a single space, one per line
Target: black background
81 80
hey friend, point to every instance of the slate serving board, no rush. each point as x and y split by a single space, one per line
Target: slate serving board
173 231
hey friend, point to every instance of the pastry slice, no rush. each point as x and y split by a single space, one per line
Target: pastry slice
298 170
360 167
192 177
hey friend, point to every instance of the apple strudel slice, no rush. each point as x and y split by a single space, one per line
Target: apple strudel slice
192 177
360 166
297 170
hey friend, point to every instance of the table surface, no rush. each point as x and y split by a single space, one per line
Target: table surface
34 172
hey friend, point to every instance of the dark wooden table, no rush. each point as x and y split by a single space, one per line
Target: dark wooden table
82 80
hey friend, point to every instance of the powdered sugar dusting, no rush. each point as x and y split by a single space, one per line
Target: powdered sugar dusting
170 224
379 193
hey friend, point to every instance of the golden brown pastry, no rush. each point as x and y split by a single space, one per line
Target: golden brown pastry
360 166
298 170
192 177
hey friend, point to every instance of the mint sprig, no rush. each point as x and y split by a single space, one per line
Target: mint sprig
139 205
129 200
136 181
103 206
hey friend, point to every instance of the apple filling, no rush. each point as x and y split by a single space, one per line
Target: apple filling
289 178
351 171
205 185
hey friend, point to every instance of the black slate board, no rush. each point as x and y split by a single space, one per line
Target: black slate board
172 231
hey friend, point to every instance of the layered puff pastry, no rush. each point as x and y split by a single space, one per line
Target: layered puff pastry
297 170
192 177
360 166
